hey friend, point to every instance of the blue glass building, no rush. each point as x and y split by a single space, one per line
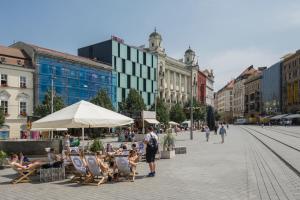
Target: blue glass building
74 78
271 89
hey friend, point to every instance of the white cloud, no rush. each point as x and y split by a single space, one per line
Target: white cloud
230 63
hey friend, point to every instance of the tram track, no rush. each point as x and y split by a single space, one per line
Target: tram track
280 131
286 153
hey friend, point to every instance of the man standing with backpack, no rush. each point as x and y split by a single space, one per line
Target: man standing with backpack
151 140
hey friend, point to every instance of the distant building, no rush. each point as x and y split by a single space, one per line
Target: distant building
239 92
271 86
291 83
224 102
201 87
74 78
16 91
134 67
209 87
174 75
253 95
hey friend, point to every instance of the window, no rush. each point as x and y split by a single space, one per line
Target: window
154 74
152 44
128 53
128 82
149 99
133 69
137 54
123 94
4 106
152 61
138 83
123 65
118 49
119 79
144 58
141 67
152 86
144 85
23 108
22 81
3 79
115 62
148 73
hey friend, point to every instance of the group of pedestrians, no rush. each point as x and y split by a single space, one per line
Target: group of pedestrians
222 131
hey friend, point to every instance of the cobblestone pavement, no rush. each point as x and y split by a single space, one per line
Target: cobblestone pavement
242 168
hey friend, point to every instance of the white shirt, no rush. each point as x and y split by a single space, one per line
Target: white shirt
148 136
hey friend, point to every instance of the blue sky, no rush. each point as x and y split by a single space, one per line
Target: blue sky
226 35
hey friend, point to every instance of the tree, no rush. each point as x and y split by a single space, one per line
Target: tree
2 116
177 113
199 110
217 116
162 111
102 99
210 117
45 108
133 104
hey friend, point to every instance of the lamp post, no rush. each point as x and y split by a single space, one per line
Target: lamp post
52 94
191 107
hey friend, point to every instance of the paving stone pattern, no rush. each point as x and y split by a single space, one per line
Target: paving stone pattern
241 168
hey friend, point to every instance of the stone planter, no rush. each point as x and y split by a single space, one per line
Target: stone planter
167 154
180 150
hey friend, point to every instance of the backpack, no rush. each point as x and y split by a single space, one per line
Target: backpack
152 144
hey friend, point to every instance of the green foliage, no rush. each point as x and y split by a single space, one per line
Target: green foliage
45 108
97 145
2 116
3 156
162 111
102 99
177 113
133 104
217 116
199 110
168 142
210 118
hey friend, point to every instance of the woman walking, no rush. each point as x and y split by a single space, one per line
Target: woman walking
207 132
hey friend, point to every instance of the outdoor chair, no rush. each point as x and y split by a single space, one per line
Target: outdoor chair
123 167
80 170
23 175
95 169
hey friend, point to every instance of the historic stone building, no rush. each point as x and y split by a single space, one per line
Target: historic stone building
201 87
239 92
16 91
224 102
253 96
209 87
174 76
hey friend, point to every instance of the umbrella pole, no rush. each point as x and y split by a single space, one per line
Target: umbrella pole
82 129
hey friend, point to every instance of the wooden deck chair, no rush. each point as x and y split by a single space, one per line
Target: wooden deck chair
124 168
81 170
23 175
95 169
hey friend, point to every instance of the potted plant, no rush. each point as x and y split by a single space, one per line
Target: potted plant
97 146
168 146
3 157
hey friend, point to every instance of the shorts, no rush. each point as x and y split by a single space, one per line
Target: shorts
150 155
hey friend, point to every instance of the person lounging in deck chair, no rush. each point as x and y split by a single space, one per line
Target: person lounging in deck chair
24 170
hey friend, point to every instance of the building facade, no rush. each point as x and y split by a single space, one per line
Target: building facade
176 77
291 83
224 102
134 67
201 87
239 92
16 91
271 85
253 97
74 78
209 87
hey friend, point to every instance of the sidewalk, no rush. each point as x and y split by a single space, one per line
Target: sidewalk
208 171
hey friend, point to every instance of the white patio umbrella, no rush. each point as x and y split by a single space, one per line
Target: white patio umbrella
82 114
173 123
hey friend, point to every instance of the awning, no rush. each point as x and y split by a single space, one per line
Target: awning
152 121
49 129
293 116
173 123
278 116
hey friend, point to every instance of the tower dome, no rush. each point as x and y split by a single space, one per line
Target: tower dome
189 56
155 40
